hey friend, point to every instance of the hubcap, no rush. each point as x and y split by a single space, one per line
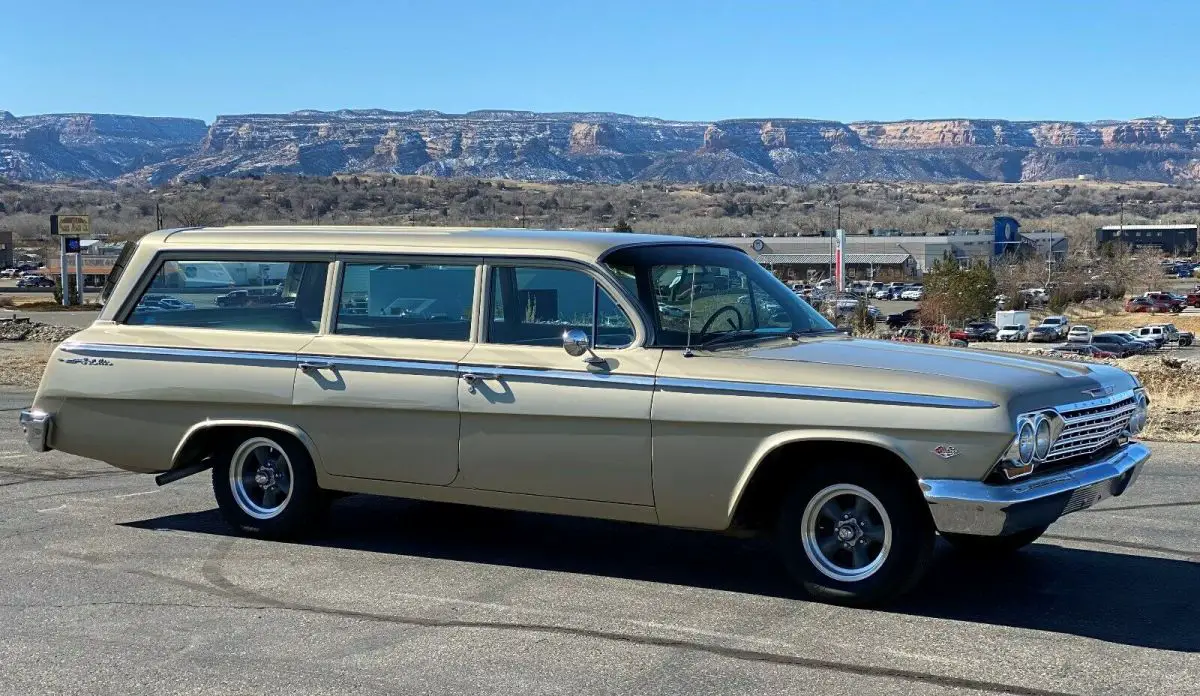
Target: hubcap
260 476
846 532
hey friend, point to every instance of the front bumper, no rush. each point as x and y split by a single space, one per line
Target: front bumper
36 426
975 507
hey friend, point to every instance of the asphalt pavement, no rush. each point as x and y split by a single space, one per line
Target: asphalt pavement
109 584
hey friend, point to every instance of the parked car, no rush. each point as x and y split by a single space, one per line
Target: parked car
981 331
167 302
1183 338
913 334
1079 334
1059 323
1118 344
916 294
902 319
1044 334
1147 304
291 403
1085 349
1153 333
1013 333
35 281
1148 343
1167 298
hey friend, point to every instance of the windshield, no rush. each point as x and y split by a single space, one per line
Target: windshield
695 295
1012 327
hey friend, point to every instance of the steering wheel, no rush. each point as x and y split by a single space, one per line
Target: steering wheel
713 319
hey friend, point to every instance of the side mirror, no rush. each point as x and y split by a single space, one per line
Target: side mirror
576 342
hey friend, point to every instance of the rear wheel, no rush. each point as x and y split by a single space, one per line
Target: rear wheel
265 485
994 546
858 535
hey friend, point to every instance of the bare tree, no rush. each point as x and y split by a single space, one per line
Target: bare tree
195 212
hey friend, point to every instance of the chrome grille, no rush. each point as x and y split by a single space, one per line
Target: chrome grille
1091 426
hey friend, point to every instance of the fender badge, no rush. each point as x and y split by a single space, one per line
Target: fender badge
93 362
945 451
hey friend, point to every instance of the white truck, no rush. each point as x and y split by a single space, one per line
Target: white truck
1013 318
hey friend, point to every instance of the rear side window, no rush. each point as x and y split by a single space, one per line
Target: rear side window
424 301
277 296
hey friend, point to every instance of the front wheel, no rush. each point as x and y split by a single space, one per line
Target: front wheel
859 535
993 545
265 485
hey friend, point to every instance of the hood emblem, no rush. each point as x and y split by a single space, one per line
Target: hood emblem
945 451
1106 390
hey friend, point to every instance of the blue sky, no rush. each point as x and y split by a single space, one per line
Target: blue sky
855 60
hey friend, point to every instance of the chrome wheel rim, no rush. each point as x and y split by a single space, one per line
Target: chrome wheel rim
260 476
847 533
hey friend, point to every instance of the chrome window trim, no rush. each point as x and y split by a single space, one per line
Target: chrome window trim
820 393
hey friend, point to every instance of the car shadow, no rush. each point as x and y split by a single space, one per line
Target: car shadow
1115 597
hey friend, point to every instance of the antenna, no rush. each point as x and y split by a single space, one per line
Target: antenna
687 350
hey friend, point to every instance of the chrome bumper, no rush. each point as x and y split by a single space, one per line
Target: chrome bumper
36 426
975 507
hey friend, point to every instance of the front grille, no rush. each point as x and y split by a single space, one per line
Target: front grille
1083 498
1090 427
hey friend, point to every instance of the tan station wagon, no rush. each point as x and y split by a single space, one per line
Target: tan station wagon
661 380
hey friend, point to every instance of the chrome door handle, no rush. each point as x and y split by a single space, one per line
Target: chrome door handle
309 366
473 378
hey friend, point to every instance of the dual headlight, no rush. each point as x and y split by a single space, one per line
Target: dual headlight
1137 420
1035 436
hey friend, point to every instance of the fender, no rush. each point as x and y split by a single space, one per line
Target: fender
180 469
788 437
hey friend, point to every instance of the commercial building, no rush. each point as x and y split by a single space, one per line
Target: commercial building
896 254
1176 240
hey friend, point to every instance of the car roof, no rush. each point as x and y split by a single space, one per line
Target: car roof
441 240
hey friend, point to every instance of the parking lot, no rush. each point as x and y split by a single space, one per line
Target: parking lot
111 585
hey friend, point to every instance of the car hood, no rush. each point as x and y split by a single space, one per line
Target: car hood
1022 382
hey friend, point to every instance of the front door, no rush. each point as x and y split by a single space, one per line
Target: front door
379 392
538 421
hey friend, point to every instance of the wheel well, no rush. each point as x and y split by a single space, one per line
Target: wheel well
206 442
786 464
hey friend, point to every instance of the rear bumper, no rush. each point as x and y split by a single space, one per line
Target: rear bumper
975 507
36 426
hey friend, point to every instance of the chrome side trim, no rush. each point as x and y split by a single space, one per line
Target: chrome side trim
819 393
380 364
975 507
589 377
182 354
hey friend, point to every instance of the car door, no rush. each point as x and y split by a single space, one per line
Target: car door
378 392
536 420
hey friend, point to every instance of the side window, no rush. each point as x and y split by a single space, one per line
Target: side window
533 306
279 296
429 301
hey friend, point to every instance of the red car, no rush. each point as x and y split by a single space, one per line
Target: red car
958 334
1193 299
1149 304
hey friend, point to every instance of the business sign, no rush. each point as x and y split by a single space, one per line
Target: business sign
70 224
72 245
1006 235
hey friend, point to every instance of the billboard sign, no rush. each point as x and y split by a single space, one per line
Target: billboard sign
70 224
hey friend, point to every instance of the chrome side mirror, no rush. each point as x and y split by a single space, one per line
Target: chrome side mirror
577 344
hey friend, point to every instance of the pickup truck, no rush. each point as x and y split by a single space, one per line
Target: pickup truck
1165 333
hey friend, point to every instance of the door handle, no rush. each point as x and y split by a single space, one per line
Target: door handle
474 378
310 366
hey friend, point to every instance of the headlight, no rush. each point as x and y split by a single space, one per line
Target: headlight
1042 438
1137 420
1026 442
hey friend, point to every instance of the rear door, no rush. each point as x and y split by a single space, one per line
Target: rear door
538 421
379 391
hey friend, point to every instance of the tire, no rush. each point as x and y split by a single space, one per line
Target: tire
893 529
255 509
994 546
